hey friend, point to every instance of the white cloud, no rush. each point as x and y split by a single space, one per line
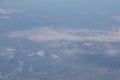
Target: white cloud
112 52
10 50
103 12
72 51
51 34
40 53
7 54
7 11
53 56
43 34
4 17
88 44
116 18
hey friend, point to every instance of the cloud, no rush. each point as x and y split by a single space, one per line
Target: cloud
4 13
7 11
88 44
112 52
53 56
40 53
116 18
73 51
52 34
43 34
103 12
4 17
8 52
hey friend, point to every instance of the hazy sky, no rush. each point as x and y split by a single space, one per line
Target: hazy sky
77 13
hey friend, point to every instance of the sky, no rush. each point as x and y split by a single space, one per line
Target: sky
59 40
69 13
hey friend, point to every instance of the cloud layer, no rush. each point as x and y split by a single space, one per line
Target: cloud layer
52 34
